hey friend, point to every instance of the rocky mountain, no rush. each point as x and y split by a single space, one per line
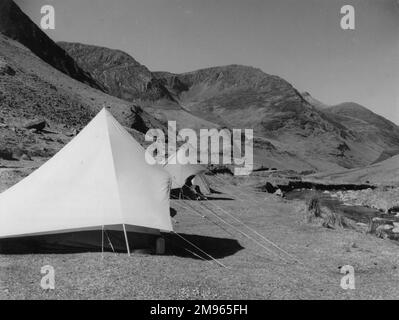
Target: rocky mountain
125 78
226 92
292 130
322 136
33 90
121 74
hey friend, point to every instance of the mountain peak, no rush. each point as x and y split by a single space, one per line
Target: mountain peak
313 101
105 57
228 67
236 76
119 72
350 106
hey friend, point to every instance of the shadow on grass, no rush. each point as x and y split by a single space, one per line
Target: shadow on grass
213 191
114 241
216 247
189 194
217 198
206 199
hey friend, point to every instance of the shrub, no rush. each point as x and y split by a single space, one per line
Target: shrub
320 215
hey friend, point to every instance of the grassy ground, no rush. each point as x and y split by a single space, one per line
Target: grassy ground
253 272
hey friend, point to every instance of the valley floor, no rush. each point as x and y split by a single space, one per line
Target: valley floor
253 272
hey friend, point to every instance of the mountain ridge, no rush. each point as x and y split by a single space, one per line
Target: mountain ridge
236 96
118 71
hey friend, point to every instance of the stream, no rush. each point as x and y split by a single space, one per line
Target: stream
356 213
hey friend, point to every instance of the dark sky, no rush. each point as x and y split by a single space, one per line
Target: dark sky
299 40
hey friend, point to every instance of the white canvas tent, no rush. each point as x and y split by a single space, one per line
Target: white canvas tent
99 180
180 171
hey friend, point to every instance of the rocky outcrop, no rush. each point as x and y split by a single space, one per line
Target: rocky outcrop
121 74
37 124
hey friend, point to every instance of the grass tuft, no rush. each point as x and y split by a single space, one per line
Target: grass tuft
317 214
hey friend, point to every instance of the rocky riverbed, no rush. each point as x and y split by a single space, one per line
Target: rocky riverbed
384 199
373 210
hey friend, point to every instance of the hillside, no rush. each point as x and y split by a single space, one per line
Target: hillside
372 128
382 173
240 96
224 93
18 26
31 89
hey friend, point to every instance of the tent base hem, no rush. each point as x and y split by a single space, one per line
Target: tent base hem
82 241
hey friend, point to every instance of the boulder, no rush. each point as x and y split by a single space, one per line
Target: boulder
269 188
37 125
382 231
379 224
